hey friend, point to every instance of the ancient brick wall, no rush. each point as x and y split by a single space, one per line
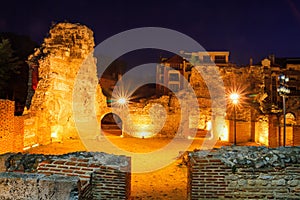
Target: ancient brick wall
244 173
296 131
6 125
243 131
18 142
107 183
11 128
99 174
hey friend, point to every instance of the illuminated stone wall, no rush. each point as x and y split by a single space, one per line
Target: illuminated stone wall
11 128
247 81
64 59
162 117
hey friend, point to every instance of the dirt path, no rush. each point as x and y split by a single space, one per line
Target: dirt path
169 182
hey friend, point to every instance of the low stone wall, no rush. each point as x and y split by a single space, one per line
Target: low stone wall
99 174
244 173
38 186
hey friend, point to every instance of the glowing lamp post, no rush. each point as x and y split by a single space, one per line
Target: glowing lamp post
122 101
234 97
283 91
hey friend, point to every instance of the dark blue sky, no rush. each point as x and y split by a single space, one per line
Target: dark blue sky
249 28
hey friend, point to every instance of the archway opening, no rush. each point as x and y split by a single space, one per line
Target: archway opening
111 125
290 122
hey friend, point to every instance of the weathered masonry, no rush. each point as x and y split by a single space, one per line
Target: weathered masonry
79 175
244 173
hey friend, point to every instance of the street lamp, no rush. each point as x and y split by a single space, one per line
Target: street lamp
283 91
234 97
122 101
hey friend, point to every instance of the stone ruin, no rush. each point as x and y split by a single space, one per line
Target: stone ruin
73 176
68 79
64 59
241 172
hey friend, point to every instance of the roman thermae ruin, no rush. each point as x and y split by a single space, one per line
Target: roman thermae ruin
68 86
68 93
65 100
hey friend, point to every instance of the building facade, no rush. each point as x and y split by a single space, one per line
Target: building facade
174 73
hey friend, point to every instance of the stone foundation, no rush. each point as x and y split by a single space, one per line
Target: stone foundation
38 186
98 174
244 173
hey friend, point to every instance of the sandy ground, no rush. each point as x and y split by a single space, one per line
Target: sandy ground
169 182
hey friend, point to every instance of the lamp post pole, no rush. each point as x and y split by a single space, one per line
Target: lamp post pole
283 91
234 124
284 120
234 97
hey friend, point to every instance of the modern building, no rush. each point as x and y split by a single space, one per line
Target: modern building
174 73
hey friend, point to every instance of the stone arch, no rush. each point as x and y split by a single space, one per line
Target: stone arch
111 124
290 119
290 122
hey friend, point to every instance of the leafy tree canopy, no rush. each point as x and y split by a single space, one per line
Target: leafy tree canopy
9 65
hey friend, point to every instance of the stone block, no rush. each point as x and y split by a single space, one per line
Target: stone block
58 187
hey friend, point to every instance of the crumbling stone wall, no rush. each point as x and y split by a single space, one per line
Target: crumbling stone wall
163 117
99 174
11 128
64 59
38 186
244 173
245 80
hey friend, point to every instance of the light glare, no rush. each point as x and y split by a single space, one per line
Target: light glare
234 98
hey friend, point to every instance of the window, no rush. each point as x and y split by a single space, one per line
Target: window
162 69
173 77
161 79
220 59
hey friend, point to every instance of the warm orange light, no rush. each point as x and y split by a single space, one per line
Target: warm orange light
224 136
234 97
54 135
208 125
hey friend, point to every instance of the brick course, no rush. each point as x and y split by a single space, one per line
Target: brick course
210 178
100 175
98 181
11 128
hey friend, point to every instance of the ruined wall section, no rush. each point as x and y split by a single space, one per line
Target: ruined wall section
11 128
245 80
91 175
62 55
38 186
244 173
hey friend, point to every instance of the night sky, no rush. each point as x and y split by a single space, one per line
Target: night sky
250 28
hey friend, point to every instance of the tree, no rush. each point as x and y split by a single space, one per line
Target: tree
14 70
9 66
